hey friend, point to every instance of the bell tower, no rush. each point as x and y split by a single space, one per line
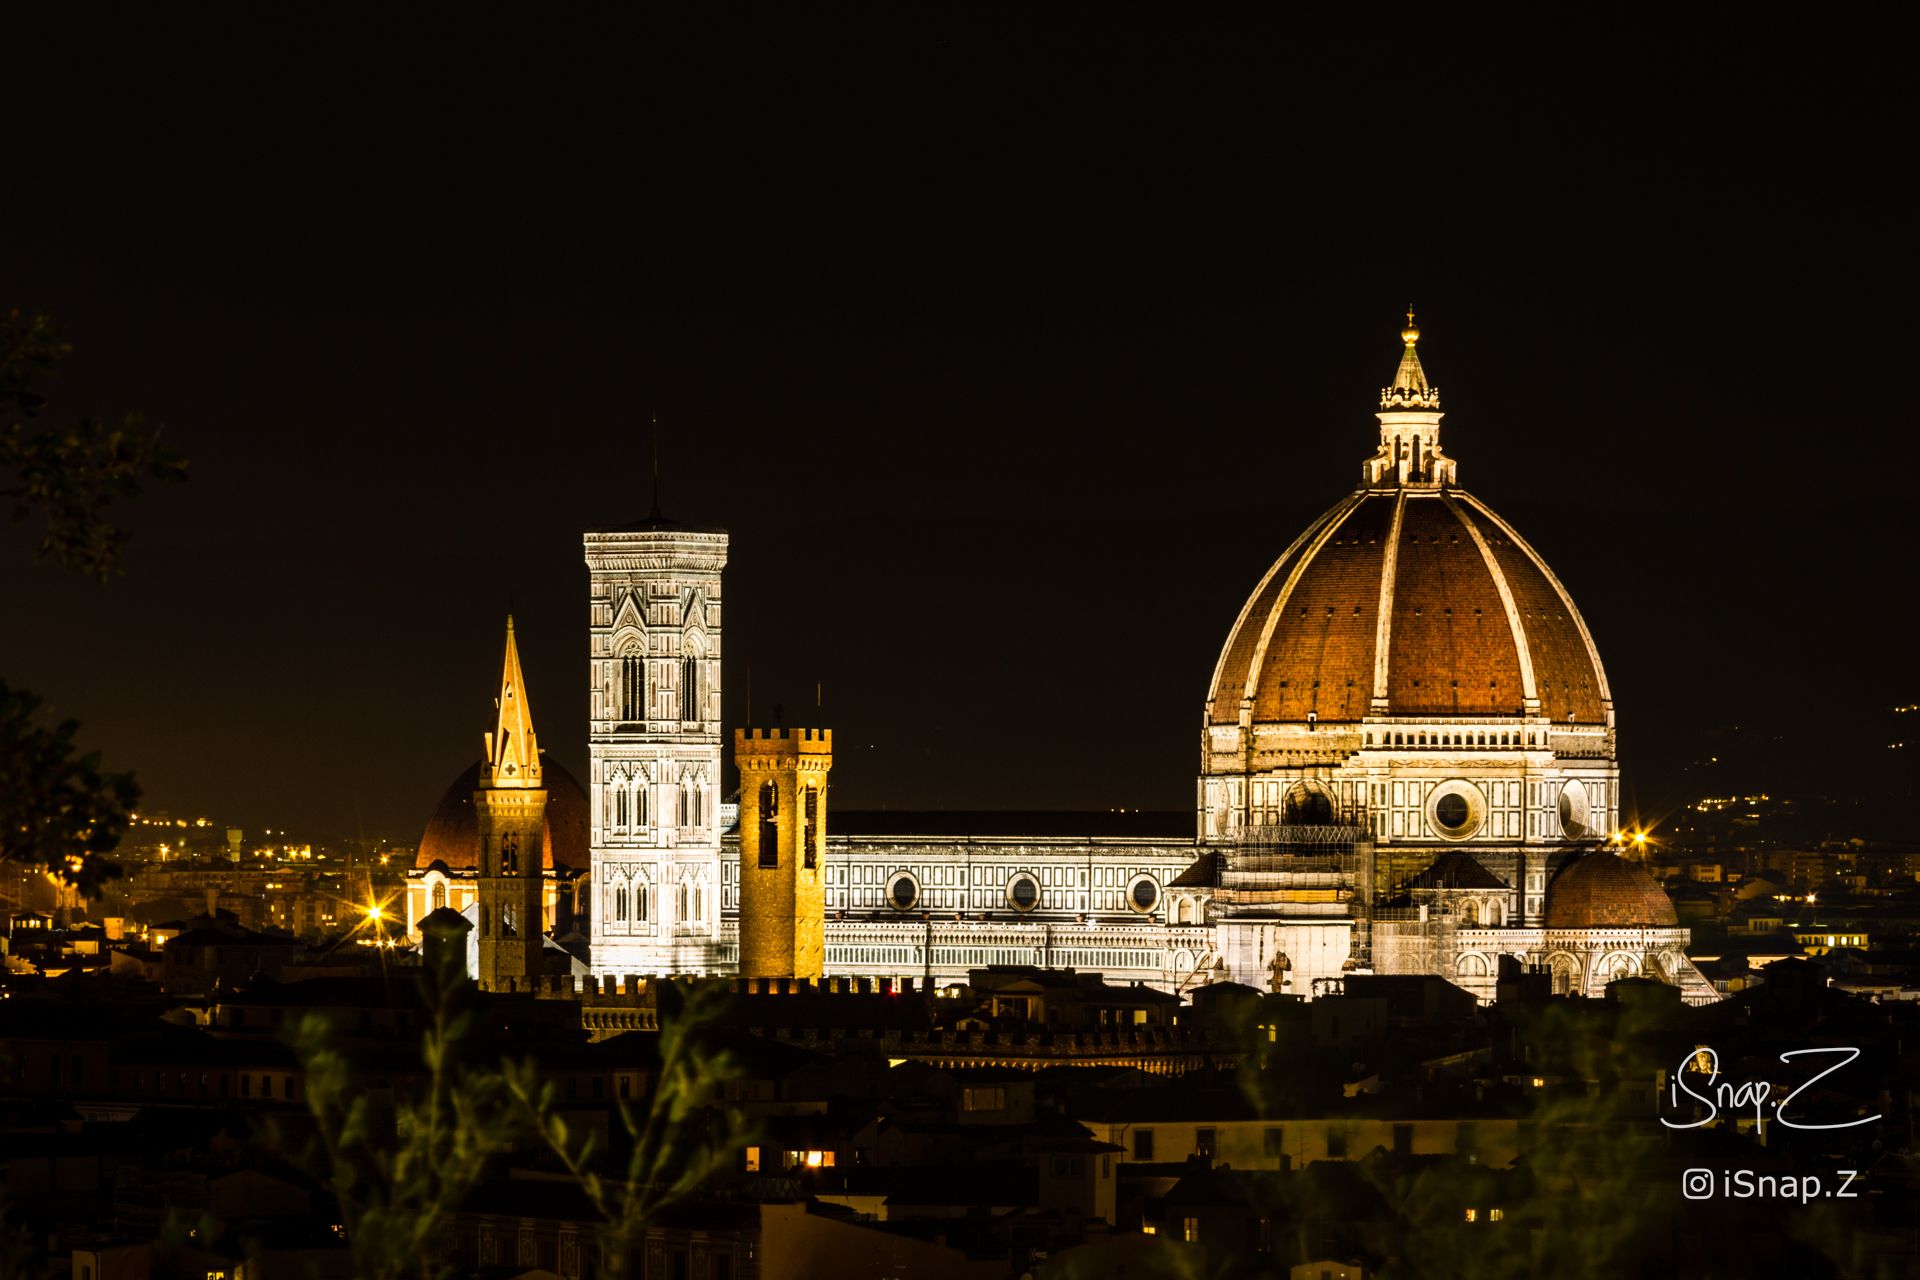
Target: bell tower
783 850
510 810
654 738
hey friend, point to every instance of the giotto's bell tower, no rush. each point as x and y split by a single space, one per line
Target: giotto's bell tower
654 620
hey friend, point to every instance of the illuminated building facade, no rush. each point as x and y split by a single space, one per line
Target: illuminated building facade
654 740
781 920
1407 766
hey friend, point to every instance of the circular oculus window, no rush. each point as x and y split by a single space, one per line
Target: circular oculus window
903 891
1456 809
1143 895
1576 814
1023 892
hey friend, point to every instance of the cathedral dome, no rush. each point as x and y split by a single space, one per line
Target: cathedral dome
452 836
1410 598
1408 602
1602 890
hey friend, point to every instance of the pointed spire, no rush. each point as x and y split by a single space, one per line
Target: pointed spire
513 752
1410 389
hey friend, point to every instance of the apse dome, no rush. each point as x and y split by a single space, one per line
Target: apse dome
1602 890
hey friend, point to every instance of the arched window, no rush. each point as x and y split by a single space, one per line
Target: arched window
643 799
769 825
1307 807
439 896
640 902
1470 913
620 804
809 858
633 687
689 689
620 902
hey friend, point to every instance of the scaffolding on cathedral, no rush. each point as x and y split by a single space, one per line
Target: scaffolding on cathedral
1282 869
1415 939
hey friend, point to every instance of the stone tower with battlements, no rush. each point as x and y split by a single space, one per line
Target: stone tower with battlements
510 810
783 850
654 741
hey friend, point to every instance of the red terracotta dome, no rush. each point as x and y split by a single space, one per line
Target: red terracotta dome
1602 890
452 836
1476 624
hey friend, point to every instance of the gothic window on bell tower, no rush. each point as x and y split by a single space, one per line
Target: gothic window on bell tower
769 825
689 689
632 685
509 855
809 858
620 902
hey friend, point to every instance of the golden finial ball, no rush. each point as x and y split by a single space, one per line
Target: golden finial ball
1409 335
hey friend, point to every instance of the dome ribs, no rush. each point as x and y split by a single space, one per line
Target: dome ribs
1567 671
1229 687
1319 655
1452 651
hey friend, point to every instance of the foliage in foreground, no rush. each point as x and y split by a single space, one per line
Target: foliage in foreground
58 812
400 1178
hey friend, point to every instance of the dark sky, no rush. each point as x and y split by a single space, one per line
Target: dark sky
1010 355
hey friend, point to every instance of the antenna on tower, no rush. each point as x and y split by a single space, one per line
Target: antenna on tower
656 467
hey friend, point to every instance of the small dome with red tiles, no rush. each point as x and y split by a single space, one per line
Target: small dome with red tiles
1602 890
452 836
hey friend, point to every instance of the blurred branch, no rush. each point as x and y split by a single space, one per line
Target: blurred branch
69 477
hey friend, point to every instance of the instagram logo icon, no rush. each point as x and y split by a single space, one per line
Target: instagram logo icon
1697 1184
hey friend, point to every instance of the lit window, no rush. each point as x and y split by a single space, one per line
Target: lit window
1473 1215
753 1159
1495 1215
1190 1230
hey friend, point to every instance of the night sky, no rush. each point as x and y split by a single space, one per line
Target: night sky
1010 355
